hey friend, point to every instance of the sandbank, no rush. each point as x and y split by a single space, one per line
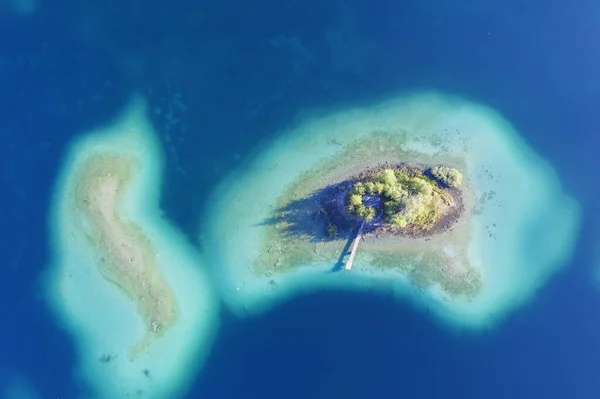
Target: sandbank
125 284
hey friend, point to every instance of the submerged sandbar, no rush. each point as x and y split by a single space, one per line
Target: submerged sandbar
124 283
125 256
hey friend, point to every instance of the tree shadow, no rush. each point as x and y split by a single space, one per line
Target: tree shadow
309 217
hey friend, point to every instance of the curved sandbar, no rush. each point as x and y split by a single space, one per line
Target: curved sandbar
125 255
125 283
517 227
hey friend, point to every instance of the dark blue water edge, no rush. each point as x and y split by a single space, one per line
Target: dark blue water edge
538 69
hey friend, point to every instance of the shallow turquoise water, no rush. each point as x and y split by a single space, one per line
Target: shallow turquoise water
242 73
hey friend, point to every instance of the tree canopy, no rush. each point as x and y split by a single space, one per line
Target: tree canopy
408 196
450 177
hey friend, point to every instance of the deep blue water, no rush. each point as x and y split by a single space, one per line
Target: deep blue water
70 67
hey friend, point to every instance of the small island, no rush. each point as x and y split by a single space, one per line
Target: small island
379 208
407 194
402 200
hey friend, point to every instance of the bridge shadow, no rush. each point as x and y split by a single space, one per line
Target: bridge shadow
339 265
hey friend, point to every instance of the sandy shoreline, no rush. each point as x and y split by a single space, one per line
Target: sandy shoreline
125 255
294 237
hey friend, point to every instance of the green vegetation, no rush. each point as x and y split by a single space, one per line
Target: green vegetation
449 177
404 197
331 230
355 203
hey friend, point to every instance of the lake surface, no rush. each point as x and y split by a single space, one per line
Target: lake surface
224 77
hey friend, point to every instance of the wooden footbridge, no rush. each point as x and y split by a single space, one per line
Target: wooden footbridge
355 245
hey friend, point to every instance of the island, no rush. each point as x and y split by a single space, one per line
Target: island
124 283
408 214
427 197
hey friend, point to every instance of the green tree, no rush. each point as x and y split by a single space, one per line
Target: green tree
366 213
419 186
399 220
355 200
370 187
450 177
388 177
331 230
359 188
393 192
